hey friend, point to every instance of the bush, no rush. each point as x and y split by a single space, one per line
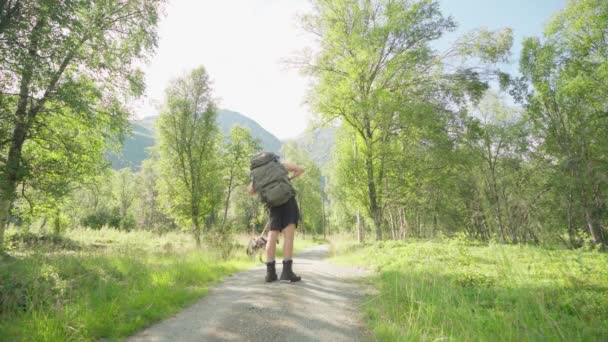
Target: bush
128 222
101 218
27 240
222 242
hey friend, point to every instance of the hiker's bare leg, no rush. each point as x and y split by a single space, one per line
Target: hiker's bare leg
271 244
287 272
288 234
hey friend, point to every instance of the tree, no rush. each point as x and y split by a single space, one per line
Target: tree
9 12
67 68
348 194
238 151
189 152
123 192
250 214
568 73
309 188
501 187
92 203
149 214
375 69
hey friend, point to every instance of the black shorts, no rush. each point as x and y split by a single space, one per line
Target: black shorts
284 215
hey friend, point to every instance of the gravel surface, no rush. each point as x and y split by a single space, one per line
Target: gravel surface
324 306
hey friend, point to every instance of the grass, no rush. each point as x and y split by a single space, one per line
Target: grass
458 291
106 284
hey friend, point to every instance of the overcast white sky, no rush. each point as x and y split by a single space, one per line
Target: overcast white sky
241 44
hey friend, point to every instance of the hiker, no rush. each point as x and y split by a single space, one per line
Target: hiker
271 180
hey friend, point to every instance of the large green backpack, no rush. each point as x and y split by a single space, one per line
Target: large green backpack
270 179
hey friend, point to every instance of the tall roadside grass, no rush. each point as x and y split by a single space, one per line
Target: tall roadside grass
459 291
106 284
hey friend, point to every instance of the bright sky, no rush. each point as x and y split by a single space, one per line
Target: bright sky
241 44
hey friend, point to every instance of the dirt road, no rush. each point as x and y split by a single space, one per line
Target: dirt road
324 306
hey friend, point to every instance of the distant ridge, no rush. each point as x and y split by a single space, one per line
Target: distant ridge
143 136
319 144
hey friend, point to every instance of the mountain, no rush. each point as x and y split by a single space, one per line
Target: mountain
319 144
226 119
143 136
136 145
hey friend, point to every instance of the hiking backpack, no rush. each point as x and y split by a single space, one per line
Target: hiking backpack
270 179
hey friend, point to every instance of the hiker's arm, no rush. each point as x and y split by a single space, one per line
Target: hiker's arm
294 169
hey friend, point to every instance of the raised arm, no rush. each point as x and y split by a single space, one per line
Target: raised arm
294 169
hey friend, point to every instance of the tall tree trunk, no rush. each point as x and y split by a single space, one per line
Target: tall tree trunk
403 226
359 228
392 220
571 228
418 223
497 206
12 170
599 212
323 209
227 202
43 223
435 216
57 222
373 196
4 205
593 227
196 231
598 205
12 174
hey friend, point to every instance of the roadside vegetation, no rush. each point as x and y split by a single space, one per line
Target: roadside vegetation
105 284
452 289
429 143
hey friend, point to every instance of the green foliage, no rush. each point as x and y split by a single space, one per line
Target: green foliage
376 73
459 291
248 213
111 284
234 161
102 218
149 213
189 160
503 176
487 46
68 69
310 193
347 191
237 153
568 70
423 148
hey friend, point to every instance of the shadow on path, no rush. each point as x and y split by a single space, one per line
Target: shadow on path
324 306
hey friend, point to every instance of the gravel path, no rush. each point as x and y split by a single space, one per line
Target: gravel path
324 306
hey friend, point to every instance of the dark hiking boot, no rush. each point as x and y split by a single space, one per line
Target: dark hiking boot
271 272
287 273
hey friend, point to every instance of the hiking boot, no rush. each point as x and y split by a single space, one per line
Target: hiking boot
271 272
287 273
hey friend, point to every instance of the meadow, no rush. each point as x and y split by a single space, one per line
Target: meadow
456 290
104 284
